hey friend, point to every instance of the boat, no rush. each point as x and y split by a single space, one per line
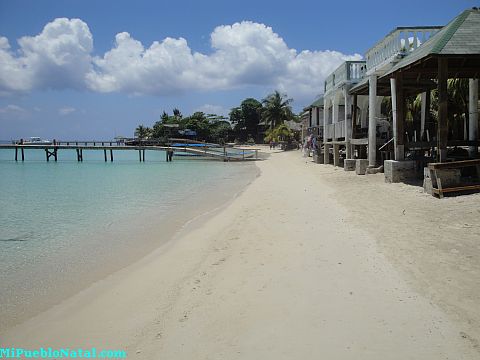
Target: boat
35 140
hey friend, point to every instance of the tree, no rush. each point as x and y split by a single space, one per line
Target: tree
143 132
276 109
246 119
197 122
280 133
177 114
220 131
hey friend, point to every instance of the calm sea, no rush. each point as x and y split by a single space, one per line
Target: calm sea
65 224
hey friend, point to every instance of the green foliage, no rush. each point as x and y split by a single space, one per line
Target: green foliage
143 132
276 109
280 133
246 119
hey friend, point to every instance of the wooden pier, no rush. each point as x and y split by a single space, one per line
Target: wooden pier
216 152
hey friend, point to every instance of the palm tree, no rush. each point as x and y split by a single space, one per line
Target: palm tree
276 109
142 132
177 114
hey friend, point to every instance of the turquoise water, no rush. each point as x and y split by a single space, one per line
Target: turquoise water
64 224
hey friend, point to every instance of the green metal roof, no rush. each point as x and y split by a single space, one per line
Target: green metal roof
461 36
316 103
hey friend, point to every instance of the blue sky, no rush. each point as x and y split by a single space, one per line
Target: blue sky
96 69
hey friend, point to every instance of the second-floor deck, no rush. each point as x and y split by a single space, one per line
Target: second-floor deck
349 72
397 44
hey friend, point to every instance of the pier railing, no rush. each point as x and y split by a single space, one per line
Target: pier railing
189 149
397 44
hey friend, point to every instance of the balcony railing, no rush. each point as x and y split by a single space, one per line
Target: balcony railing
348 72
340 129
335 130
330 131
399 43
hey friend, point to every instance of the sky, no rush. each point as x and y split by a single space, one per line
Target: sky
86 69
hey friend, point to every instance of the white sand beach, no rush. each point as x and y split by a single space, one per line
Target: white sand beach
309 262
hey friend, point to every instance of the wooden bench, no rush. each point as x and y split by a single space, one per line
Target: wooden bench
436 168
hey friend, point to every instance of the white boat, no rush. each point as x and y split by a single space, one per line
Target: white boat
35 140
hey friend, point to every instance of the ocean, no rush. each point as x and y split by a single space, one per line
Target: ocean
64 225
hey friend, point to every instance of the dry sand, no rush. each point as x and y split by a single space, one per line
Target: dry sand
299 266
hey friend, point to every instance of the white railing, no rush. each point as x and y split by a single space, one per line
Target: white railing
340 129
348 72
330 131
400 42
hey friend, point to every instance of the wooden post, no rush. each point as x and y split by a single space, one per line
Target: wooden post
473 115
46 154
16 153
105 154
423 114
23 155
79 154
336 155
442 126
111 155
140 154
55 154
143 152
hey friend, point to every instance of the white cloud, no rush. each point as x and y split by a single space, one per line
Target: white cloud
57 58
243 54
212 109
66 110
11 108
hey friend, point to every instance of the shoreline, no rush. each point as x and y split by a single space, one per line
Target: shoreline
149 230
277 273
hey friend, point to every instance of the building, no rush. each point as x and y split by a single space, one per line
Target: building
409 61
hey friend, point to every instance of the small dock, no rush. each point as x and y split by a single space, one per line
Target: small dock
191 150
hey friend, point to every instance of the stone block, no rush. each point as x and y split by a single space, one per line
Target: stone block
318 158
399 171
361 166
349 164
427 181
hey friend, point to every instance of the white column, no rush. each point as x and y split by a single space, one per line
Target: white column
473 114
423 114
335 110
372 121
325 122
348 124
